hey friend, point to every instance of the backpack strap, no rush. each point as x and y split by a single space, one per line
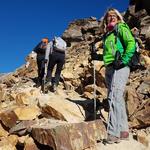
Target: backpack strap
116 33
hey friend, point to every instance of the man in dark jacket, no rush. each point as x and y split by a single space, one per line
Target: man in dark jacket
40 49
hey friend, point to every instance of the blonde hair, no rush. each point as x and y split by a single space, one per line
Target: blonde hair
104 22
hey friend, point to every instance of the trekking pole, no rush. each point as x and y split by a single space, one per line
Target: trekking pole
94 93
94 80
44 78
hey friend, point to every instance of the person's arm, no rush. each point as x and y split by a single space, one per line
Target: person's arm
128 41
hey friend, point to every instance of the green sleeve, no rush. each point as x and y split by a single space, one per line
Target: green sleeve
128 41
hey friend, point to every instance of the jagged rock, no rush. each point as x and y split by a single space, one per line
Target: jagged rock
100 92
141 4
3 132
88 95
3 92
13 140
9 79
30 144
68 86
27 96
22 127
143 138
10 117
146 59
4 146
143 114
73 34
62 109
22 139
89 88
9 143
81 27
140 118
138 16
22 98
30 69
27 112
132 101
67 75
76 136
144 87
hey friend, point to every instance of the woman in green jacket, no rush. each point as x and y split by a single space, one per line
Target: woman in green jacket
119 47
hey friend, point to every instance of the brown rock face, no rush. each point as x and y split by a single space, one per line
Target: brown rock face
69 136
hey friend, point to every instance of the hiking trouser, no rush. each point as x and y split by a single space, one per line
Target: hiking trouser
58 59
40 65
116 81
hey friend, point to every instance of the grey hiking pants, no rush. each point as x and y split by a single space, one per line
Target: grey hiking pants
116 81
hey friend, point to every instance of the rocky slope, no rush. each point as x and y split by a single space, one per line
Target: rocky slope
33 120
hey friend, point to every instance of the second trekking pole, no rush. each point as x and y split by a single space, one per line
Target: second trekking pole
94 80
44 77
94 93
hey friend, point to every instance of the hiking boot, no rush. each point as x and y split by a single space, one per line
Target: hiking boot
124 135
112 139
38 83
54 88
48 84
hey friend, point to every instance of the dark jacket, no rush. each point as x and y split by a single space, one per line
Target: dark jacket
40 49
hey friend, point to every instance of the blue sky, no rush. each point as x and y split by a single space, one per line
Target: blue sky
24 22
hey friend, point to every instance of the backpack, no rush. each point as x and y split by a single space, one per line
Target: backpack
134 63
59 44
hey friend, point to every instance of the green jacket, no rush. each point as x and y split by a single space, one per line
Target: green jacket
112 43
